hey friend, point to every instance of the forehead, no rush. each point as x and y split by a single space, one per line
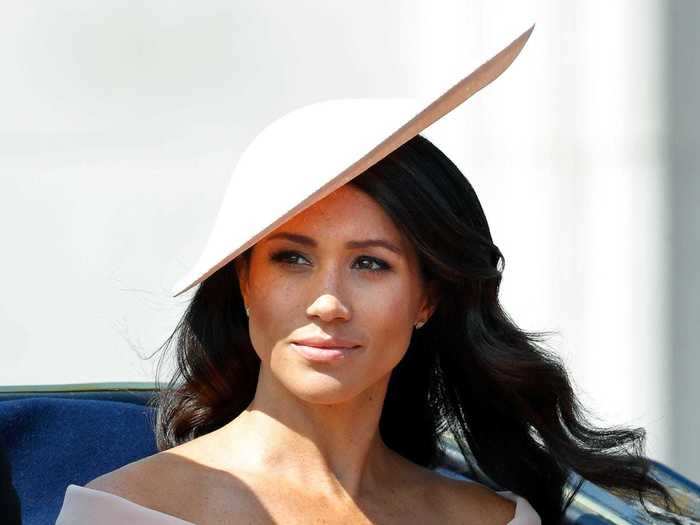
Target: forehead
347 211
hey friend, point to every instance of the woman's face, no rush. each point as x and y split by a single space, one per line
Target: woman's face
321 275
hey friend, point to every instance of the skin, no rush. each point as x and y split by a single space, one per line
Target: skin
322 458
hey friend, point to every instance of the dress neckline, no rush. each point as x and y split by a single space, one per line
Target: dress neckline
129 503
524 513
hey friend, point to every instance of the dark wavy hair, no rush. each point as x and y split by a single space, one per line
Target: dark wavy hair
506 400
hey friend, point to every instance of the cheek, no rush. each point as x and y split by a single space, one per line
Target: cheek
391 305
274 307
387 318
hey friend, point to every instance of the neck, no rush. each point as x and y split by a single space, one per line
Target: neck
326 447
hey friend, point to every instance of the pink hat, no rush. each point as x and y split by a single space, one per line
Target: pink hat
311 151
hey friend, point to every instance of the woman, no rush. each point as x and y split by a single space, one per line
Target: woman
332 343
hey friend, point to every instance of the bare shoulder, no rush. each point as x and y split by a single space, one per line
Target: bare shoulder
465 502
452 501
149 482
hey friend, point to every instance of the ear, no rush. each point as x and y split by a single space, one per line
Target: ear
431 298
241 266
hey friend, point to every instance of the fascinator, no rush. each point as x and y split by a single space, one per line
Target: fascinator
311 151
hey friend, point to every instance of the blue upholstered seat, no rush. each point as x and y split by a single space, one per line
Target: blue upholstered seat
49 442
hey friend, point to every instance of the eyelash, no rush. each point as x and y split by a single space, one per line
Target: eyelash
284 254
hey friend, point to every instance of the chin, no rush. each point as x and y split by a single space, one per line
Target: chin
323 390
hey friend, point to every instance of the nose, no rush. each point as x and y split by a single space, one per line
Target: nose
328 305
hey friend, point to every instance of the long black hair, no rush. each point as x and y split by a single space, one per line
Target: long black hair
506 400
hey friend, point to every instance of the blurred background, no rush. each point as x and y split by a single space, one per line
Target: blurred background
120 123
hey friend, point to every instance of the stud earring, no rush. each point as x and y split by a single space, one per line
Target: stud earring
419 324
247 311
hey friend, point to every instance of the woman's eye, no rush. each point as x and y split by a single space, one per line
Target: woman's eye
364 262
379 265
286 257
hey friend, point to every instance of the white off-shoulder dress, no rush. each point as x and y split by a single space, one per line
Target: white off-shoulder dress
82 506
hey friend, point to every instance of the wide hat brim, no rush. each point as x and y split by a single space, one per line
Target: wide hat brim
311 151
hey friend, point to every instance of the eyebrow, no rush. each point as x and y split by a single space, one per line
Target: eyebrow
308 241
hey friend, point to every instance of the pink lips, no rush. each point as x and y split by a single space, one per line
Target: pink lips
324 350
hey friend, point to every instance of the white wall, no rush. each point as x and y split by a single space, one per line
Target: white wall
120 126
683 160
